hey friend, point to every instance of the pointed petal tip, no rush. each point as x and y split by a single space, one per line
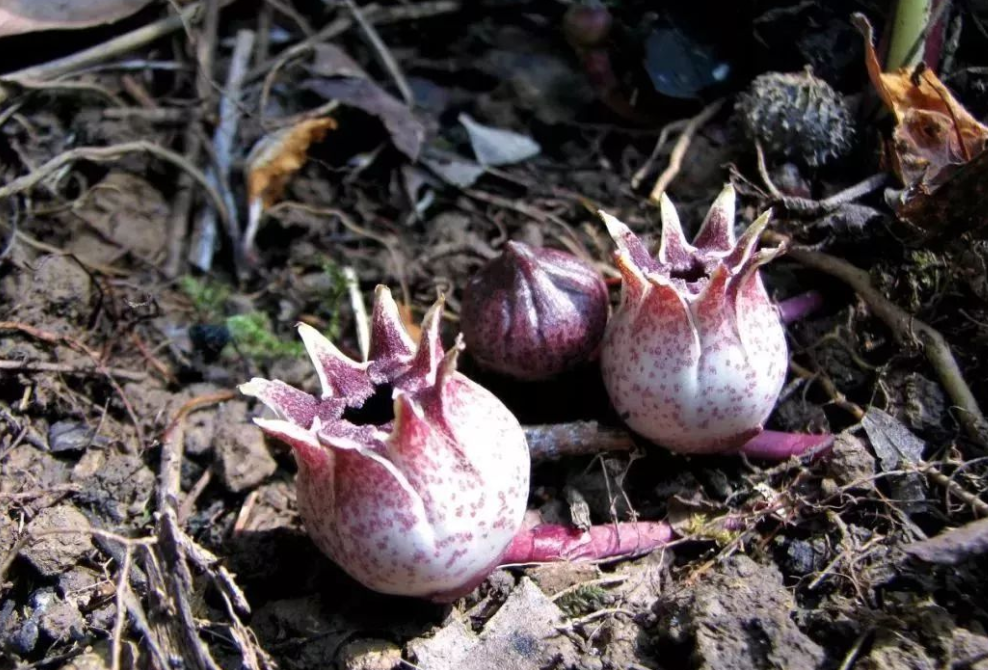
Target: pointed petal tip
615 227
382 292
337 372
389 337
717 230
745 248
253 388
451 357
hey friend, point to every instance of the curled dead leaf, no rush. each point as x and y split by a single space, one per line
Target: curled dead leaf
272 162
18 17
276 157
934 141
934 134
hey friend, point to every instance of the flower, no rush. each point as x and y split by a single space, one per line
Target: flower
411 477
533 313
695 356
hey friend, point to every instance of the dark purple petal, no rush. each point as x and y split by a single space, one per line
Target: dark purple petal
717 230
286 401
339 376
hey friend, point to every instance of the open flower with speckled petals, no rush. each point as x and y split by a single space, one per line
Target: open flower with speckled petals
695 356
413 478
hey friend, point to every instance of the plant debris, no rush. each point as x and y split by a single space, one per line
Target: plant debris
183 183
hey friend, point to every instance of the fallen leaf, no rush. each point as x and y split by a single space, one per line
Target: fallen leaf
330 60
897 449
276 157
953 546
271 163
453 169
522 635
407 132
18 17
495 146
934 134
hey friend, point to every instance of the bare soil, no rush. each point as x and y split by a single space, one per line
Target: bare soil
146 522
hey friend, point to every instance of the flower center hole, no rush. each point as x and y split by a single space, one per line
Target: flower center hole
694 273
375 411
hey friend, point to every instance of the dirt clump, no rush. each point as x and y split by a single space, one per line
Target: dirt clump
739 616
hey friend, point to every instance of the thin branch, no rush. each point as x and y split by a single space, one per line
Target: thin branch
111 153
201 254
111 48
65 368
382 52
905 327
680 148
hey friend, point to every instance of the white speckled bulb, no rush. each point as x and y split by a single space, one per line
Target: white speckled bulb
695 356
412 478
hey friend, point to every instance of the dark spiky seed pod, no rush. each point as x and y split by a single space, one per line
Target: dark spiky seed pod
797 116
533 313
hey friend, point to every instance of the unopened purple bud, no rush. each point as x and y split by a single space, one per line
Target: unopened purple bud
533 313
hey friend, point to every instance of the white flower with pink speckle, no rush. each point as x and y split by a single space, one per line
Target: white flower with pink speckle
695 356
412 478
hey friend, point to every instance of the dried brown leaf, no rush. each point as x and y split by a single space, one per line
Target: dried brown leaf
953 546
407 132
934 134
276 157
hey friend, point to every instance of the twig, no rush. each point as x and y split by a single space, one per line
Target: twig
830 389
852 654
201 254
809 207
185 511
193 141
25 432
123 586
904 327
109 49
667 130
359 310
763 173
110 153
372 13
382 52
977 504
174 548
680 148
577 438
95 369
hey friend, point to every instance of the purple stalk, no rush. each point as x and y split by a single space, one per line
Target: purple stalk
548 543
771 445
800 306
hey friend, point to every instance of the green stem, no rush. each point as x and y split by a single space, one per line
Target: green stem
905 46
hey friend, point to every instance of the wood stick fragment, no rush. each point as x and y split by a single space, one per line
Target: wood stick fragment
579 438
202 251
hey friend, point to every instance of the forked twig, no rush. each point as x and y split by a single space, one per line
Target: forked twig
905 327
110 153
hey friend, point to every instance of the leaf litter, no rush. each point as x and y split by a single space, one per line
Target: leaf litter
143 518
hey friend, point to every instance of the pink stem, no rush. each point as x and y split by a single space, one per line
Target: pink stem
553 542
771 445
800 306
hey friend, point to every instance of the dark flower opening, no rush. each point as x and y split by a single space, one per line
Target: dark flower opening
692 274
377 410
